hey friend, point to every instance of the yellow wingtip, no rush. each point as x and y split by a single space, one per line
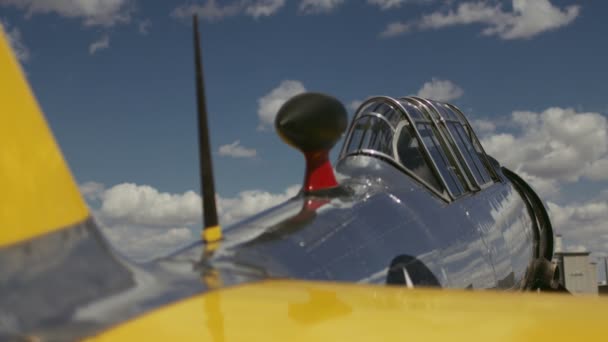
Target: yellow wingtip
38 194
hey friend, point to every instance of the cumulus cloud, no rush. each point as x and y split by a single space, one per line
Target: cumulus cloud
250 202
144 205
597 170
582 225
236 150
395 29
528 18
483 127
319 6
143 222
129 203
269 104
554 147
440 90
212 11
15 40
93 12
544 187
101 44
557 144
550 149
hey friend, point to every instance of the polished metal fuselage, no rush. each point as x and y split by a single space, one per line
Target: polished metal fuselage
383 222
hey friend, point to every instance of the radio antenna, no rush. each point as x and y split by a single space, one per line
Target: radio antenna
212 231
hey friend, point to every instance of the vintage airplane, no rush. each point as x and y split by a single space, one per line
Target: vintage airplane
418 204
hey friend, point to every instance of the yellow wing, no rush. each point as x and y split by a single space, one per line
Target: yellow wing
308 311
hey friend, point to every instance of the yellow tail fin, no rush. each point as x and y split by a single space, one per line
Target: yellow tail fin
37 192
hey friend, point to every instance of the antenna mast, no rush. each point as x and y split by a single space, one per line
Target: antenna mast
212 231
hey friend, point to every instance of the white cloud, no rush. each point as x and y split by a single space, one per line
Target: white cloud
235 150
133 204
527 19
557 144
212 11
144 26
544 187
270 103
319 6
264 8
101 44
130 203
483 127
248 203
597 170
395 29
582 225
143 222
93 12
16 42
440 90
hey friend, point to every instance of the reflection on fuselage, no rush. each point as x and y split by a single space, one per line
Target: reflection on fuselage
478 241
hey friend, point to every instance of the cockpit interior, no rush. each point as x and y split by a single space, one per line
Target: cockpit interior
430 141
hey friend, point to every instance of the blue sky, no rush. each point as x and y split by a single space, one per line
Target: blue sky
115 79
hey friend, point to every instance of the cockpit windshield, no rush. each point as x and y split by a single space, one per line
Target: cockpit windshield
430 141
374 129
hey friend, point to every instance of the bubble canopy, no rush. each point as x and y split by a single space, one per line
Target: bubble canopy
430 141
